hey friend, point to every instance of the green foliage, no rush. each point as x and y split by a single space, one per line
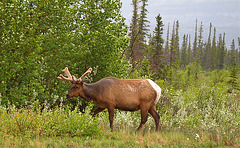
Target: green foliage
39 38
233 82
57 122
201 103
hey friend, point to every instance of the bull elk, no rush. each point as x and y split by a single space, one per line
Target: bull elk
113 93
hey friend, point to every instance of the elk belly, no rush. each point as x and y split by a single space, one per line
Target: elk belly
128 103
156 88
129 107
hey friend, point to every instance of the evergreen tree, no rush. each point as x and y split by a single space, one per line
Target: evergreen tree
213 52
226 59
166 49
176 43
200 46
232 54
233 78
209 36
134 35
172 48
183 58
143 22
157 53
138 34
189 51
195 44
221 52
207 53
143 32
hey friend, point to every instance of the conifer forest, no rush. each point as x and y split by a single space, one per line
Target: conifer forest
199 77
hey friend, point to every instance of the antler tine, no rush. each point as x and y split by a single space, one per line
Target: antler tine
69 78
67 72
85 74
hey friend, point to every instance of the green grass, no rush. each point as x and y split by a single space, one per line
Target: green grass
124 138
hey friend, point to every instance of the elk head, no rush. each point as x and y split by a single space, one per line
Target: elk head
77 84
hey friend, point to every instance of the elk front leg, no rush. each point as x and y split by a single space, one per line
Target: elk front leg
98 110
111 116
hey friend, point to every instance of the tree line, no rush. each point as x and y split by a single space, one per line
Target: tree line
163 54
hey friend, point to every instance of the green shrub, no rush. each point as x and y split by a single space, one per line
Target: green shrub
206 108
57 122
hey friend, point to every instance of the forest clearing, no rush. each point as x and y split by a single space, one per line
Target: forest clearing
199 105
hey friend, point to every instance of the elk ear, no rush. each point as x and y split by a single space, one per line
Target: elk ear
85 80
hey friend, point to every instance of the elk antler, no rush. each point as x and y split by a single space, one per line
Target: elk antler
73 78
84 75
69 78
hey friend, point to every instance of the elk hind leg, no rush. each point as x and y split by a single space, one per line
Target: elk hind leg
144 115
155 115
111 116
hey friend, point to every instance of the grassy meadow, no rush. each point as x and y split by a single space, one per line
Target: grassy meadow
201 112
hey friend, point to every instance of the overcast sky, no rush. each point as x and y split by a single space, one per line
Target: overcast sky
223 14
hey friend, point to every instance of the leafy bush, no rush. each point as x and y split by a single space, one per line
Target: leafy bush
57 122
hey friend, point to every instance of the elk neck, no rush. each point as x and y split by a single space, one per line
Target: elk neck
89 92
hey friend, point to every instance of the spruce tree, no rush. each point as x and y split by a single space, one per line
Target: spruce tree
195 44
233 78
134 35
213 52
157 53
183 57
143 31
221 52
199 56
172 48
143 22
138 34
207 53
176 43
166 48
189 51
232 53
